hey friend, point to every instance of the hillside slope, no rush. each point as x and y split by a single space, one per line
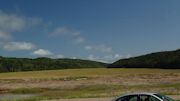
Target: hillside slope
26 64
164 60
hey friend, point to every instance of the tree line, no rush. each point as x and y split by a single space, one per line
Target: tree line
26 64
164 60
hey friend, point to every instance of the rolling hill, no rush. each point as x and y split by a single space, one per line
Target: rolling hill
164 60
8 64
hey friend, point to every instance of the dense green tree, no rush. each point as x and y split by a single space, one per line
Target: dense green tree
165 60
25 64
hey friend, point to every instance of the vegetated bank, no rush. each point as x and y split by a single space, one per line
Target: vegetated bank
163 60
8 64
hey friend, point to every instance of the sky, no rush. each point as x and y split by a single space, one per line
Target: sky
100 30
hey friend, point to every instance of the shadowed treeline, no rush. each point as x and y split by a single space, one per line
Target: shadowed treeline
25 64
164 60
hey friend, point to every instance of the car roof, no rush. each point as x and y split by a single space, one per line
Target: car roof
145 93
141 93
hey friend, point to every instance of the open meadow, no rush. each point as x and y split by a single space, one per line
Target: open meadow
86 83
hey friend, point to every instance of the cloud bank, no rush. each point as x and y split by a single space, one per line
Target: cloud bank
100 48
18 46
106 58
10 23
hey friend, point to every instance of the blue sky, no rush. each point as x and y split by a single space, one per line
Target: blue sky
103 30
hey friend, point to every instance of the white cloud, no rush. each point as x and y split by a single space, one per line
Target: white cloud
88 47
128 56
107 58
60 56
112 58
74 36
73 57
96 58
10 23
4 35
42 52
92 57
117 56
101 48
17 46
76 33
65 31
57 56
61 31
80 40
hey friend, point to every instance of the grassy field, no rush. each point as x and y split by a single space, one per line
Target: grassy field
89 83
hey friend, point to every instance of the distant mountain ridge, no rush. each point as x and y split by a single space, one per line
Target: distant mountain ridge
8 64
164 60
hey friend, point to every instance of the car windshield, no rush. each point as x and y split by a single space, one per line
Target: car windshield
165 98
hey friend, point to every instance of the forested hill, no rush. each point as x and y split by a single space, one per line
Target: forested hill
164 60
26 64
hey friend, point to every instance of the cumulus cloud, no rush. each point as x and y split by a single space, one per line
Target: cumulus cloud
65 31
128 56
79 40
117 56
4 35
61 31
10 23
73 57
88 47
91 57
76 33
58 56
112 58
101 48
95 58
16 46
107 58
73 35
42 52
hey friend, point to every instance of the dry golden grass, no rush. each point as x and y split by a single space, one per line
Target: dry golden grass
83 72
80 83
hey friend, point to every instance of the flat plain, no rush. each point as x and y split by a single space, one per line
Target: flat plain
88 83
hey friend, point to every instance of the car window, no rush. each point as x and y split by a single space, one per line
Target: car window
148 98
144 98
135 98
128 98
165 98
152 98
